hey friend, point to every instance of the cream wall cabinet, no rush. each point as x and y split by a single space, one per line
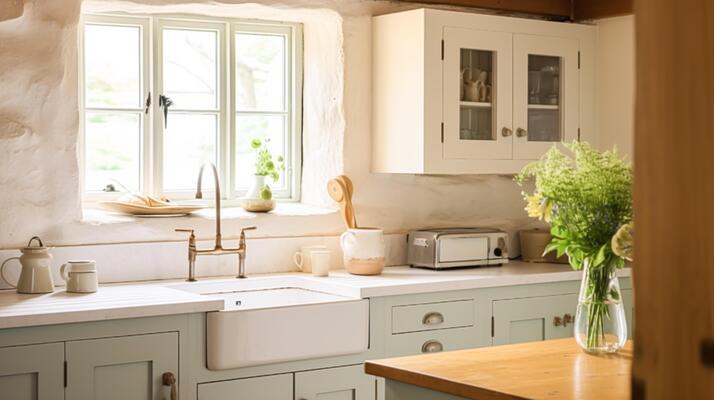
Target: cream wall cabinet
461 93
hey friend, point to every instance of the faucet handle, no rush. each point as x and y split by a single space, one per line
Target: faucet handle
185 230
248 228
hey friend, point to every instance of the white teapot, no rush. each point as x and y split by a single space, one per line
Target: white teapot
35 274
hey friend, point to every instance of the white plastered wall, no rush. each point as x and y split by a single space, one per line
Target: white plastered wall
39 177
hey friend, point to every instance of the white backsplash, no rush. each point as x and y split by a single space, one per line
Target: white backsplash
168 260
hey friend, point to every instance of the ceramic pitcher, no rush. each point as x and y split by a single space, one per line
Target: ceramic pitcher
363 250
35 274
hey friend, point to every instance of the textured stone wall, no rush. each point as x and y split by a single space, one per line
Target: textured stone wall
39 181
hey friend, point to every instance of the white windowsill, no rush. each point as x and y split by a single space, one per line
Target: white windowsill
92 214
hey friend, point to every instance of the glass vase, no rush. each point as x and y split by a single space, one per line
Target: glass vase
600 324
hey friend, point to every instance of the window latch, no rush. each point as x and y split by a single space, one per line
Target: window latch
165 102
148 103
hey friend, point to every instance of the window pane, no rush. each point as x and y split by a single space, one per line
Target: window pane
260 72
112 150
249 127
189 142
112 58
190 68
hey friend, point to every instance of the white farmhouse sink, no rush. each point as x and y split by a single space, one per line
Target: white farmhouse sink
270 320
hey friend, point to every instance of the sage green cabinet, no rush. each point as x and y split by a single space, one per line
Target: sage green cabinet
120 368
533 318
34 372
343 383
273 387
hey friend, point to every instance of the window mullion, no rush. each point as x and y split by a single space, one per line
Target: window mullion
157 143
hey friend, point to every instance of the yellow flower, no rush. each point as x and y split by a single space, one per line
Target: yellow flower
533 205
538 207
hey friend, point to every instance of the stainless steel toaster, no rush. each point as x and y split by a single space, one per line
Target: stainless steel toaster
456 247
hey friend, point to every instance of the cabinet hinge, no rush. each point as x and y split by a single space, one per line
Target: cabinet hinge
442 132
64 374
493 327
578 60
442 49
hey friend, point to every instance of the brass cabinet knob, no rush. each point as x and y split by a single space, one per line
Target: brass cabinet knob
506 132
520 132
568 319
169 379
564 320
433 318
432 346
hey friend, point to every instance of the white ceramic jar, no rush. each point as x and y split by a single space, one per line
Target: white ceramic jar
363 251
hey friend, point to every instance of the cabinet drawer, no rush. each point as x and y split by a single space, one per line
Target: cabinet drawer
430 316
273 387
432 341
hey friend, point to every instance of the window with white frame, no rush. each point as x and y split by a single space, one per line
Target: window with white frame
162 95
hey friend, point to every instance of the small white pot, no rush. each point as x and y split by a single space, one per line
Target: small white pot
252 201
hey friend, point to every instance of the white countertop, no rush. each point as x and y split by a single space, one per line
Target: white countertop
109 302
143 299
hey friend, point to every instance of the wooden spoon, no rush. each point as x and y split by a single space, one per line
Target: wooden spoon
350 191
339 191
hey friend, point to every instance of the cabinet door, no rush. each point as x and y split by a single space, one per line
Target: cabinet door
546 93
343 383
121 368
477 85
532 319
33 372
274 387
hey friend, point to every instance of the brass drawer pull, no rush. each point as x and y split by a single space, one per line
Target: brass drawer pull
169 379
432 346
433 318
563 321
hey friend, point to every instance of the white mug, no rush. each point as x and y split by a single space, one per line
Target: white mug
302 258
80 275
363 251
320 262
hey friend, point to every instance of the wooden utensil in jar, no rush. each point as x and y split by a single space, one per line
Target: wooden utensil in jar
340 189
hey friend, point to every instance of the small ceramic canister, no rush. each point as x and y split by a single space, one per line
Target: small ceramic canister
80 275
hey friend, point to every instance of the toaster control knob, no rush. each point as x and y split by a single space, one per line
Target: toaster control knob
497 252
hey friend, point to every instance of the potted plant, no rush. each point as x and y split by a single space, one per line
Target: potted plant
586 196
260 197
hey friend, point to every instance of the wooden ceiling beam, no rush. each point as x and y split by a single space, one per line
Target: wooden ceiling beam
594 9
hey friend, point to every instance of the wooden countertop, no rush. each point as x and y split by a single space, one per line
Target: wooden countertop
554 369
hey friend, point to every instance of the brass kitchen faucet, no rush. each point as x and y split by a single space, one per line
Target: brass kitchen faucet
217 249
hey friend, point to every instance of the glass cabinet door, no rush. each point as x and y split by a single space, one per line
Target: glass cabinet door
546 93
477 94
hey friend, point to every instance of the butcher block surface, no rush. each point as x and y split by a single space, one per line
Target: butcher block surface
553 369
